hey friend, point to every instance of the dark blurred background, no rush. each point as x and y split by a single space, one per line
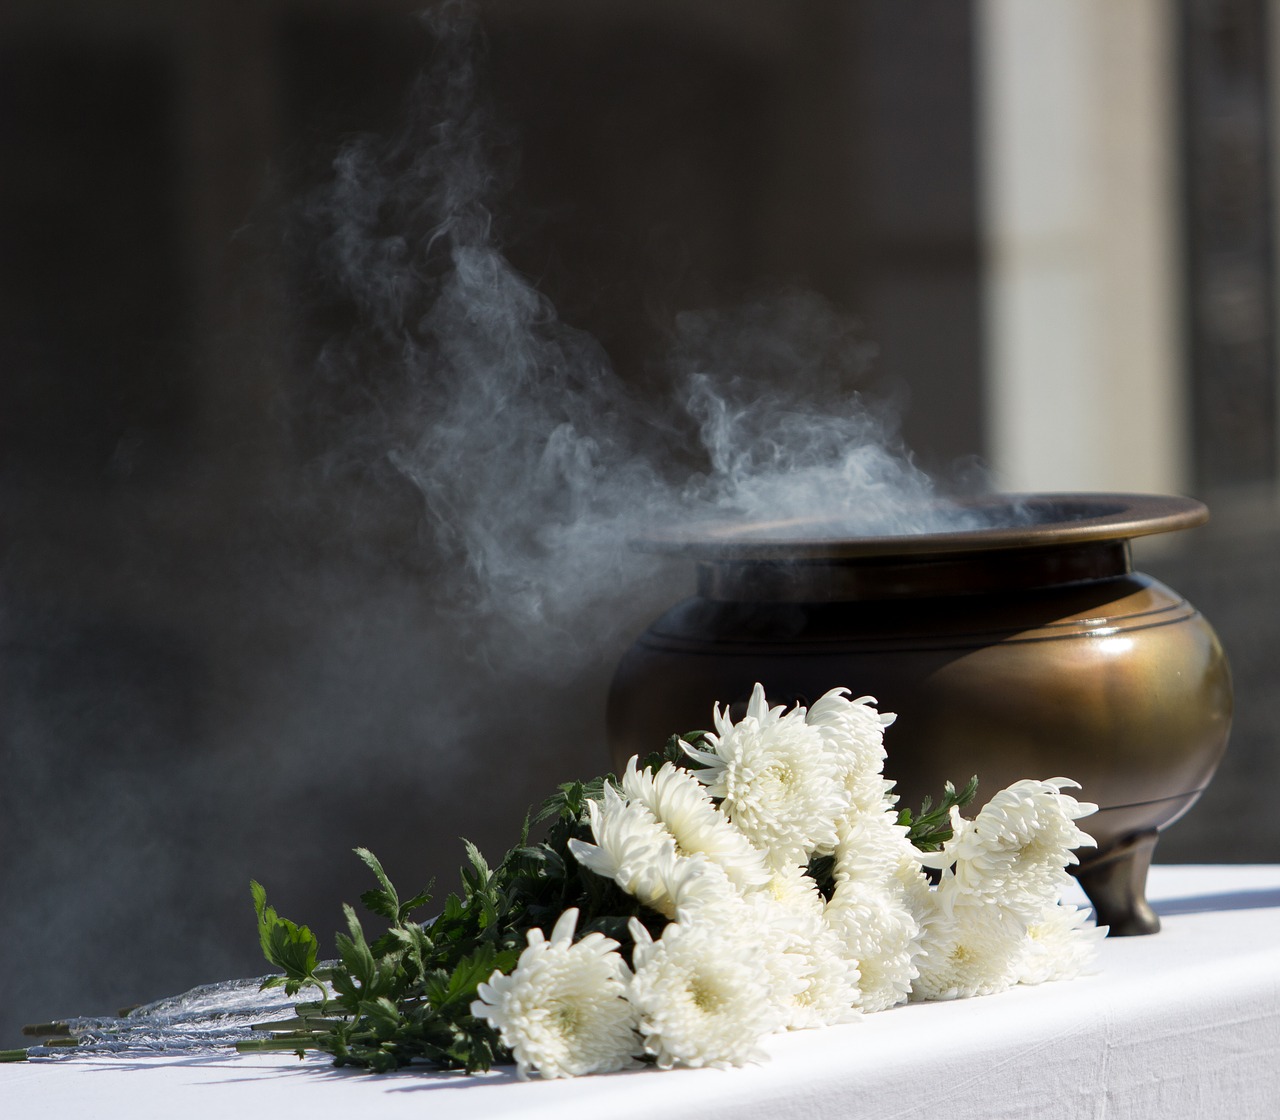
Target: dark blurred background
219 653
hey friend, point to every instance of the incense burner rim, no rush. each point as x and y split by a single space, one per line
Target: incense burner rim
1013 522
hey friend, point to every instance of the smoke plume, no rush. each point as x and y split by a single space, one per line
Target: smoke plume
537 466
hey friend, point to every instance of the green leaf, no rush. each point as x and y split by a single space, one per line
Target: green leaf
291 948
931 828
477 875
569 802
266 916
383 1016
417 902
345 986
385 901
354 950
475 1046
380 903
564 802
453 910
459 985
673 752
540 862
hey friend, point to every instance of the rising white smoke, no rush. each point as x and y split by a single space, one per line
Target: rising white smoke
537 466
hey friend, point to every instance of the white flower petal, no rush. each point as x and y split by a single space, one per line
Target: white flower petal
776 780
1061 944
813 977
1018 846
563 1010
971 949
853 730
630 847
701 993
881 933
679 802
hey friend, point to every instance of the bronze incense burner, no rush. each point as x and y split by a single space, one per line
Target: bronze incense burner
1029 648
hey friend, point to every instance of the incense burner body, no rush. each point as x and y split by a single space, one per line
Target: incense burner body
1033 652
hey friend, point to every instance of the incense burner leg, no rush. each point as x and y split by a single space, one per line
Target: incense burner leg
1116 882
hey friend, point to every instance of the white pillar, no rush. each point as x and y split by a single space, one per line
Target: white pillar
1085 379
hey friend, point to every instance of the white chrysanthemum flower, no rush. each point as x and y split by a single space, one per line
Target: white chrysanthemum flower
679 802
813 978
777 781
880 932
563 1010
971 948
775 929
1060 945
853 731
874 848
701 992
689 883
629 845
634 850
792 891
1018 846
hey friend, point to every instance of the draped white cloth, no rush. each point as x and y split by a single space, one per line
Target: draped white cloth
1182 1024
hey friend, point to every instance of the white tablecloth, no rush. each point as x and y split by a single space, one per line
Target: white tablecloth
1182 1024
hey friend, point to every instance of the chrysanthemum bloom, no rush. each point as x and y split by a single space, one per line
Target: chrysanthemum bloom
690 883
1018 846
881 900
777 781
701 992
873 848
563 1010
971 948
629 843
679 802
791 889
813 978
881 933
638 853
853 730
781 933
1059 946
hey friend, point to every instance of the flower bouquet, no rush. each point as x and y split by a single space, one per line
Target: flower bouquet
752 879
